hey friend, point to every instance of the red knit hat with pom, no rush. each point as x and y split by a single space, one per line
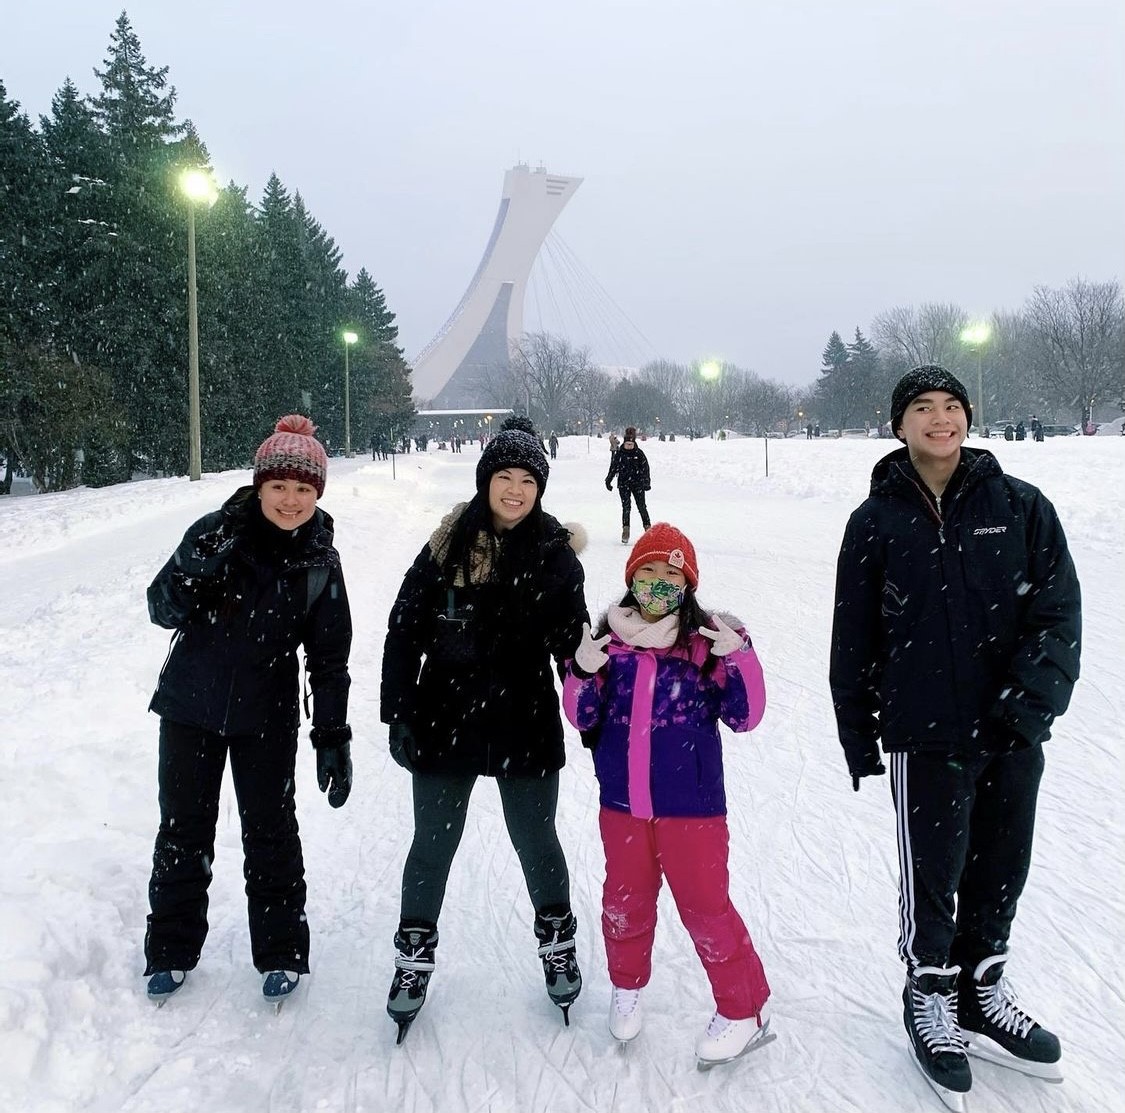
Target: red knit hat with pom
664 542
292 452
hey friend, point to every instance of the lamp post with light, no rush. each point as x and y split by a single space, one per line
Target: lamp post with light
349 339
710 372
975 337
197 186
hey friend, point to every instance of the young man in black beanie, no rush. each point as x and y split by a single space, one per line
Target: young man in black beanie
955 643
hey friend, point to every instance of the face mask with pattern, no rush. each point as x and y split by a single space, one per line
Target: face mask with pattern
657 597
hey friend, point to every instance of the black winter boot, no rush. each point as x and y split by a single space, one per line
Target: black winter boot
930 1013
415 943
555 928
997 1028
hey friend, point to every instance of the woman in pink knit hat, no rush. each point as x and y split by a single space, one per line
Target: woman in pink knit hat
248 586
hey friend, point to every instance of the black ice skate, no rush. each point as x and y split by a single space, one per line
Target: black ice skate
414 963
555 932
930 1012
997 1028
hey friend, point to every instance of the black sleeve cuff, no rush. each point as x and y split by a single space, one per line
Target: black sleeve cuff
330 738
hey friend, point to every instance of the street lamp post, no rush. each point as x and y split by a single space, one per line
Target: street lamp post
976 336
710 372
349 339
197 186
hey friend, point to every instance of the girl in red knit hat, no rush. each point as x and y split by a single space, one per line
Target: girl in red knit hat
648 693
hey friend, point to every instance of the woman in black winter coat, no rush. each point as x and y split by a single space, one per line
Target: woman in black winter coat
248 585
468 691
630 465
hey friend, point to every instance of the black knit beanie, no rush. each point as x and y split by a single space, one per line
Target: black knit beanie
930 376
513 448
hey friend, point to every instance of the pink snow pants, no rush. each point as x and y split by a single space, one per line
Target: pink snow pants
692 855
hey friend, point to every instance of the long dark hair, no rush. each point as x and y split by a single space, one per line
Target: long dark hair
522 544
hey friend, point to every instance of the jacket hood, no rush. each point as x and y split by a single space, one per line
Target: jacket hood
894 471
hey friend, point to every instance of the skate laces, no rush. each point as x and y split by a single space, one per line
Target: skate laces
1001 1007
625 1001
935 1020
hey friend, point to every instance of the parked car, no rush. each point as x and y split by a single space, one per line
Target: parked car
853 434
1059 431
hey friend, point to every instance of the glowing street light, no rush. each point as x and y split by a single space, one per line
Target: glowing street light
710 373
349 339
975 337
199 188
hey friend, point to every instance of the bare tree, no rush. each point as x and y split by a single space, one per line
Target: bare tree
552 367
1079 331
592 388
929 334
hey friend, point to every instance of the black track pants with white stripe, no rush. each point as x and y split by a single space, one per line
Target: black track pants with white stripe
965 826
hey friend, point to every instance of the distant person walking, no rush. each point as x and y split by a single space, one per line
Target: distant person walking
630 465
553 441
247 587
949 545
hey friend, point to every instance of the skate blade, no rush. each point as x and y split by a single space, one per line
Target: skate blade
988 1050
707 1064
403 1028
951 1099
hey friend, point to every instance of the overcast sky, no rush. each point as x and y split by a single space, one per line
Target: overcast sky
757 172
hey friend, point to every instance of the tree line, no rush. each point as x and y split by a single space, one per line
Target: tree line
93 297
1061 357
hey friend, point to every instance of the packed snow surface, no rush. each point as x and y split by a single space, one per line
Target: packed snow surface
813 864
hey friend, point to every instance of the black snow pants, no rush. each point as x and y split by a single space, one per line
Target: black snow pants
965 826
441 805
627 508
191 773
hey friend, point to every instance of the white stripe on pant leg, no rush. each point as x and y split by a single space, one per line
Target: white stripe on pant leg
907 924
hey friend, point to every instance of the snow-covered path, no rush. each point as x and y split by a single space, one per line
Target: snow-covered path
813 863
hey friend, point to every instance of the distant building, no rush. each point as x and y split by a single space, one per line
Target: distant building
485 328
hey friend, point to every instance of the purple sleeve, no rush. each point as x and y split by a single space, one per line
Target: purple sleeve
744 694
582 702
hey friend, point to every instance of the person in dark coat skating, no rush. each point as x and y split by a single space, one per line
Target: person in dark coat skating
630 465
955 643
248 586
468 691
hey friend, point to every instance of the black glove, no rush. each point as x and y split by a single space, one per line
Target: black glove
608 485
867 764
210 552
334 773
333 762
401 739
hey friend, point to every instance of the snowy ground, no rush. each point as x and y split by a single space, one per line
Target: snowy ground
813 863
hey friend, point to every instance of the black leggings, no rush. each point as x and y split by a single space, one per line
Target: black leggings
441 804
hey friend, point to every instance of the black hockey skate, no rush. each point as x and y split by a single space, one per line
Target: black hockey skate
415 944
930 1012
997 1029
554 928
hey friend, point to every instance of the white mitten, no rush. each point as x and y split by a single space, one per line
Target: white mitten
590 655
724 638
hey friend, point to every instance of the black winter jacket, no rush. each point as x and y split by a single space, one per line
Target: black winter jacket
237 593
468 667
957 622
631 468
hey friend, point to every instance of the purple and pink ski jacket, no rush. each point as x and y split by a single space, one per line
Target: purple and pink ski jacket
656 713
